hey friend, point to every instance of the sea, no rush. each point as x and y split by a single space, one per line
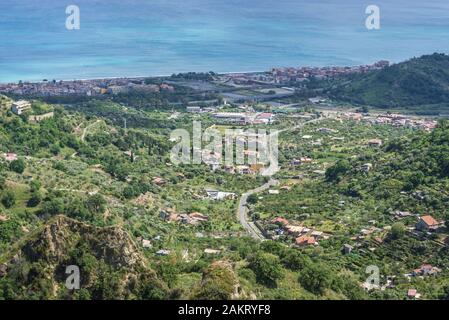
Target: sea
126 38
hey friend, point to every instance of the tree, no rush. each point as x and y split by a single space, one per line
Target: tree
53 206
267 268
341 167
17 166
252 199
397 230
35 185
8 199
315 278
35 199
294 260
96 203
217 284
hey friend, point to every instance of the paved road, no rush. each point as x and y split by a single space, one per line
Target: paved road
242 210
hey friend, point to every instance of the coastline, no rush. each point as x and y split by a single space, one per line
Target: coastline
247 72
100 78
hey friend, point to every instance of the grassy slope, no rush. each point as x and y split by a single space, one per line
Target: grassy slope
419 81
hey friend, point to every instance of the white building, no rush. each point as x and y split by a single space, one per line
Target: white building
230 117
20 106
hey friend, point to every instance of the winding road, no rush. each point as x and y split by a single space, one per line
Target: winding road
242 209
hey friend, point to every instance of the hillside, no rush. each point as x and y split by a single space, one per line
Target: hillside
111 267
420 81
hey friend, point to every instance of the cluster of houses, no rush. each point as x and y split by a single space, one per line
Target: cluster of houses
397 120
194 218
303 236
425 270
92 87
301 161
252 169
286 75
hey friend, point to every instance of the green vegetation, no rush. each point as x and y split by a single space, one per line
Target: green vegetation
86 190
418 82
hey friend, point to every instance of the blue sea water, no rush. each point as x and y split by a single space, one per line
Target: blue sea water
157 37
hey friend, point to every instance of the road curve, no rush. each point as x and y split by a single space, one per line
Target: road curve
242 209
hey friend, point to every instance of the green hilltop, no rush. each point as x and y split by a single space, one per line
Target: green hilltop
422 81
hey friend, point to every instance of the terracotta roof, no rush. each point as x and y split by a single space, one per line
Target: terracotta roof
280 220
429 220
305 240
412 292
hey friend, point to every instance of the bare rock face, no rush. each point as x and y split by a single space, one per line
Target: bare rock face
219 282
110 263
110 244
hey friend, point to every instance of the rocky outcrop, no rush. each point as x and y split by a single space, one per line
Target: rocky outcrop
108 259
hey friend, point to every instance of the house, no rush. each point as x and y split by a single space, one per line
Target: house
146 243
159 181
219 195
375 142
243 170
20 106
271 191
413 294
326 130
426 270
169 215
428 223
10 156
401 214
367 167
230 117
347 249
280 221
193 109
163 252
294 230
164 86
212 251
306 241
317 100
229 169
266 118
302 160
